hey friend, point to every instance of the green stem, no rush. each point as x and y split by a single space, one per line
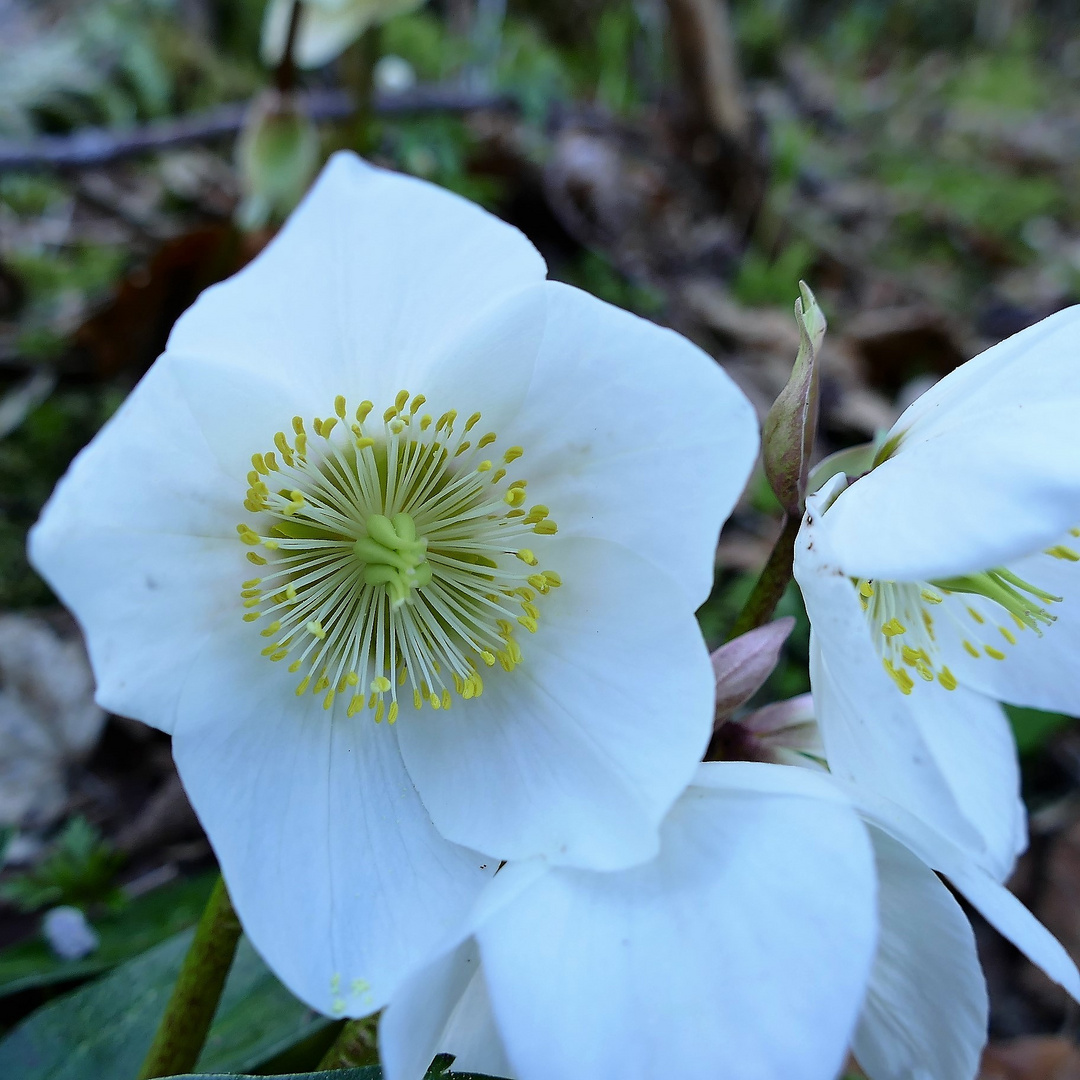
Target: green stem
770 586
355 1045
183 1028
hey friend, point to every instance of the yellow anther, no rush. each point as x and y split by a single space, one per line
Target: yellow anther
365 442
362 411
484 466
356 703
1074 532
913 656
298 425
487 657
295 666
903 680
253 616
472 422
328 425
528 622
250 592
392 713
487 440
1008 635
531 610
271 461
380 684
373 700
514 497
947 679
328 701
260 465
893 627
996 654
317 425
247 534
417 699
552 578
435 701
322 683
425 421
401 399
866 589
302 688
547 527
537 513
257 559
417 401
279 655
462 448
315 629
251 583
976 616
301 445
1060 551
389 414
446 699
497 475
271 545
527 557
252 602
513 454
971 650
929 597
380 711
396 425
339 405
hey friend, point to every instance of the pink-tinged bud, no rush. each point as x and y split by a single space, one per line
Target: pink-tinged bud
744 663
790 427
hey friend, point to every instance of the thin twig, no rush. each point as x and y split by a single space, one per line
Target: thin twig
92 147
285 75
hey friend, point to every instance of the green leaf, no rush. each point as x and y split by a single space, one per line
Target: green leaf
145 922
1032 728
104 1029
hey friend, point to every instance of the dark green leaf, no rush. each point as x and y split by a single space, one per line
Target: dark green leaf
103 1030
143 923
1032 728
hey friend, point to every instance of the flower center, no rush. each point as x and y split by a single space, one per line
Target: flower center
913 622
393 555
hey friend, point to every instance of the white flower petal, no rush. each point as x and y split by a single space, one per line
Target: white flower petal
646 428
360 291
444 1007
993 901
986 471
486 369
148 496
926 1010
1039 671
947 756
577 754
339 877
747 941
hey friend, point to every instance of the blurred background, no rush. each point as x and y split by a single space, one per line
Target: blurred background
916 161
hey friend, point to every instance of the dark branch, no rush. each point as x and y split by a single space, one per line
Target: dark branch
99 146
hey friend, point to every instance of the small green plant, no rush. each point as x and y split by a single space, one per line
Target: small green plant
762 280
80 870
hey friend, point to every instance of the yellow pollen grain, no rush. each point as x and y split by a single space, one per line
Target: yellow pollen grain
514 497
996 654
893 627
866 590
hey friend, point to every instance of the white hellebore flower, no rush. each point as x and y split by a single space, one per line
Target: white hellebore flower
947 579
318 545
327 27
779 925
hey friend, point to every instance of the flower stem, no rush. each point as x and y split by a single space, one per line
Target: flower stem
183 1029
355 1045
770 585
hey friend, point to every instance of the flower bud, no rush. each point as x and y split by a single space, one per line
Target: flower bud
790 427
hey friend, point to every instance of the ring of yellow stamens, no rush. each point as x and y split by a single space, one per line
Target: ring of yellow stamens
391 555
902 619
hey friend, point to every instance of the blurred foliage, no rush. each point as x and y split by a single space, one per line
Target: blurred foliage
80 869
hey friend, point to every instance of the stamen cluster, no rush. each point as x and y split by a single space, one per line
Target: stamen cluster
394 556
906 618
